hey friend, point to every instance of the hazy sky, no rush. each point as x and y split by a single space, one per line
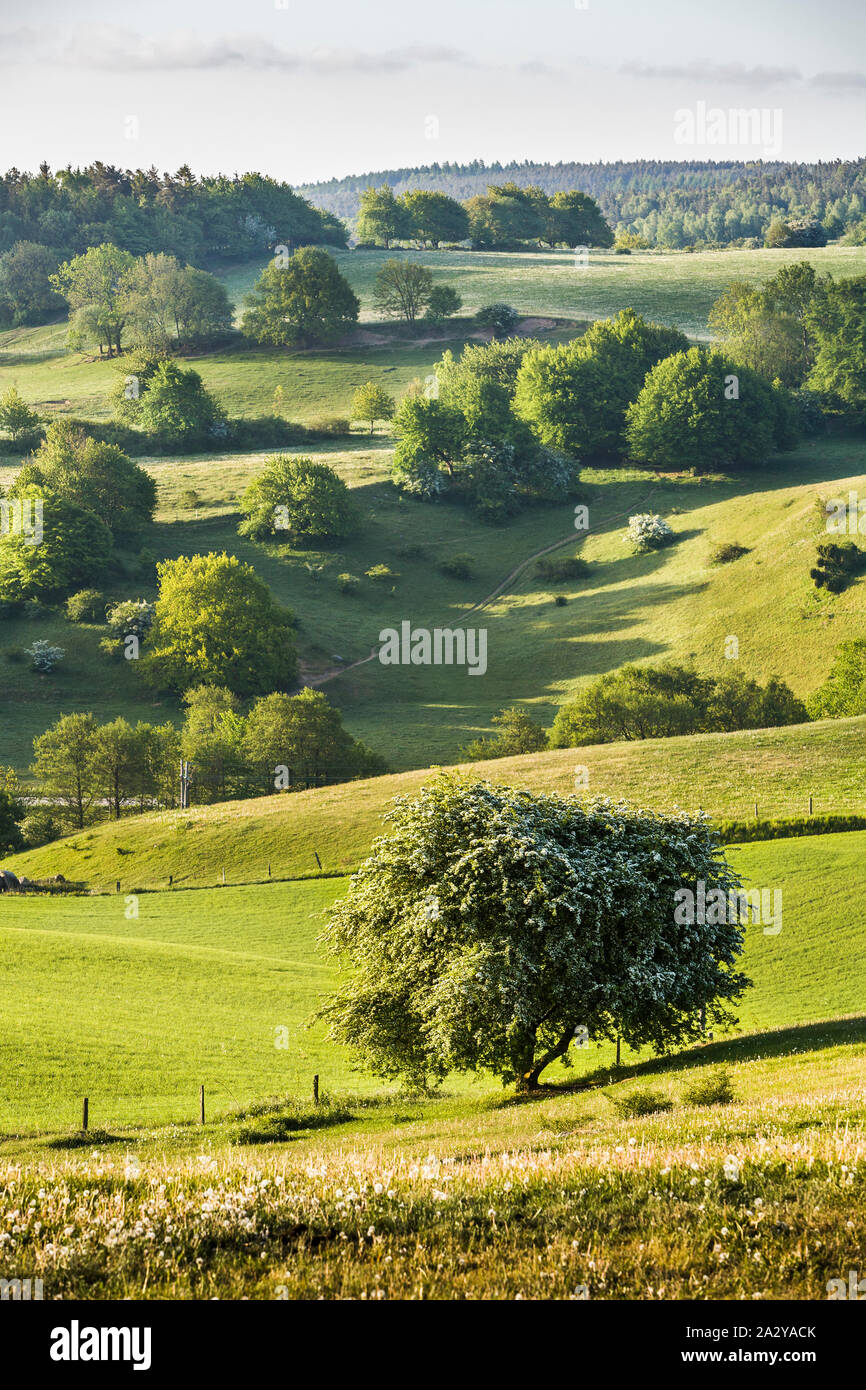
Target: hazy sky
308 89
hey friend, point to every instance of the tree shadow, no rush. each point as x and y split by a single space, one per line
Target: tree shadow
752 1047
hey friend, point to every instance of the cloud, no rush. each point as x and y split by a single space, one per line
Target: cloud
838 81
732 73
111 48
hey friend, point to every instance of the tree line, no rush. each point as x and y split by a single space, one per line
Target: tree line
197 219
670 204
85 771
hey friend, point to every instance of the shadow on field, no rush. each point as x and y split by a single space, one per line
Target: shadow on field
755 1047
84 1139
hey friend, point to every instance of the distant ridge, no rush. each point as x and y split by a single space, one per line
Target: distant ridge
722 200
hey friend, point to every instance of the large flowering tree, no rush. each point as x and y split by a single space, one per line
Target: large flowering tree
490 924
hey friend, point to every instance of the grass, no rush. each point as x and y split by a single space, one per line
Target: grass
725 774
671 604
216 987
669 287
475 1197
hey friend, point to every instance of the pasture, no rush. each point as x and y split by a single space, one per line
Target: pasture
196 988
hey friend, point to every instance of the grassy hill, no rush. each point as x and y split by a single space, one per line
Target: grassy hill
673 604
194 989
673 288
723 773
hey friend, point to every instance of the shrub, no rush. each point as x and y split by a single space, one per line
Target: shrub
561 570
330 425
500 319
714 1089
297 499
44 656
381 574
648 531
560 600
40 827
786 827
838 563
726 552
348 583
190 499
459 566
132 616
87 606
641 1102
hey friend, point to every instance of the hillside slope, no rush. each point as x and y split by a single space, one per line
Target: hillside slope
722 773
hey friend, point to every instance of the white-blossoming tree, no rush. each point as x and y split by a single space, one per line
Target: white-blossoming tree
490 925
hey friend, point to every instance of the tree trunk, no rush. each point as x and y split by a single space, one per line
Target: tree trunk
528 1080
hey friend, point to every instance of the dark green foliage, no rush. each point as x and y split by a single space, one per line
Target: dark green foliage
517 734
716 1088
734 832
87 606
687 416
304 302
575 396
560 571
727 552
839 562
641 1102
461 566
297 499
639 702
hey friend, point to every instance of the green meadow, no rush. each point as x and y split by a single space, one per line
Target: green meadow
217 987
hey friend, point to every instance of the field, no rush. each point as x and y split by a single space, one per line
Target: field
670 288
377 1195
191 957
674 604
194 988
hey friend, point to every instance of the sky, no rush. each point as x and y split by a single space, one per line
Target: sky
310 90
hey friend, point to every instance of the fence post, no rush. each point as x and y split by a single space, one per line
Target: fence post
269 870
224 875
316 1089
617 1048
318 860
84 1110
117 887
810 805
756 810
201 1103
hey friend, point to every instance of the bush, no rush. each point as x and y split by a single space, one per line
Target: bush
500 319
281 1121
40 827
381 574
561 570
641 1102
648 531
330 425
786 827
190 499
348 583
459 566
714 1089
725 553
44 656
838 563
132 616
87 606
560 600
